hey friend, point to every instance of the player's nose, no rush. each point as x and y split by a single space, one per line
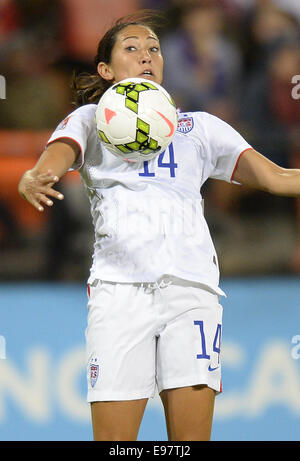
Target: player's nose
145 56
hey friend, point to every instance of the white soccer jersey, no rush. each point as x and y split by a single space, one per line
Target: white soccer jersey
148 217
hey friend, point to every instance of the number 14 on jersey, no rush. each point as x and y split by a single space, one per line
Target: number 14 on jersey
162 163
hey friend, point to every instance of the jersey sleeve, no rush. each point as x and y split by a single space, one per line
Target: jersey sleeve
224 146
76 126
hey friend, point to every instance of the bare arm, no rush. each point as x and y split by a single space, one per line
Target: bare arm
256 171
37 184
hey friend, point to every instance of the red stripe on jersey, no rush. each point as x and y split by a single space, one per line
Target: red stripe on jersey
237 162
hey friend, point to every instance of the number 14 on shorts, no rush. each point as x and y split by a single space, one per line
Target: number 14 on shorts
216 346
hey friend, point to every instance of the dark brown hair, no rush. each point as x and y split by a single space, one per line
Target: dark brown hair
88 88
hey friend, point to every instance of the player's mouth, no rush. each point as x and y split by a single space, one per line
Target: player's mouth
147 73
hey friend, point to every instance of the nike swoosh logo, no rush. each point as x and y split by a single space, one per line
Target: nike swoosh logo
170 124
213 369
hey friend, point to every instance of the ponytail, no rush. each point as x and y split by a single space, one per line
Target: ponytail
87 88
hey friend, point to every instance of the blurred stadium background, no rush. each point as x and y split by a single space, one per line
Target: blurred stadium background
233 58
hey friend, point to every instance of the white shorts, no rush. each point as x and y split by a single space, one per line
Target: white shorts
139 335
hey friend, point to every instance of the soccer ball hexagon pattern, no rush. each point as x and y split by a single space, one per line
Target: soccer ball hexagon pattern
136 119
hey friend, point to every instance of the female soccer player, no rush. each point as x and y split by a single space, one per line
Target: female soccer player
154 316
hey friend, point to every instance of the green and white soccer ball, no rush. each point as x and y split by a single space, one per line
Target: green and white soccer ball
136 119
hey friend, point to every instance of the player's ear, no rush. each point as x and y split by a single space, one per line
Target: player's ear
105 71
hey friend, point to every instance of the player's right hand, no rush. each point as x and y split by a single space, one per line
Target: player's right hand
35 188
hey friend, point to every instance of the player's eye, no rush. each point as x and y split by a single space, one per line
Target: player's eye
130 48
154 49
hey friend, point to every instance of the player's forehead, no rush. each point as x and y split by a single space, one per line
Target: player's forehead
136 32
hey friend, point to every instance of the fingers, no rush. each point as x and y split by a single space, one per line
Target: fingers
35 203
37 189
49 176
37 200
53 193
47 180
43 199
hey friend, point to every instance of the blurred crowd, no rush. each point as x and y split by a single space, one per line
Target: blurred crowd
233 58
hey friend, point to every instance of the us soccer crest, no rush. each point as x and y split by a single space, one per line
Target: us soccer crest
185 124
64 123
94 371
